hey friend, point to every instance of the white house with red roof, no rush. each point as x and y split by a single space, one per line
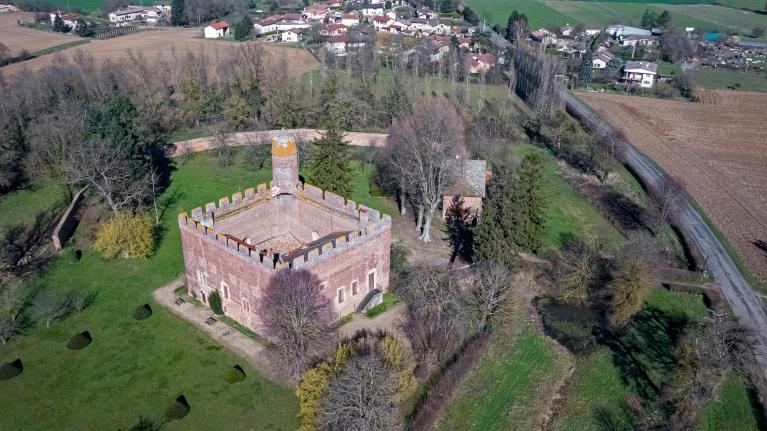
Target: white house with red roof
316 12
293 35
69 19
217 29
333 30
350 19
382 21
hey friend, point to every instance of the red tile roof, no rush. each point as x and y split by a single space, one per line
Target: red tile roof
220 25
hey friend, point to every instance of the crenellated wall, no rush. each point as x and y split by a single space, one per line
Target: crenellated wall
352 254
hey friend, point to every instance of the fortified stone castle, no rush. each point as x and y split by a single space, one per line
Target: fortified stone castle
237 247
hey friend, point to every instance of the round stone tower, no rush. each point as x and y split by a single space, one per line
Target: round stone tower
284 164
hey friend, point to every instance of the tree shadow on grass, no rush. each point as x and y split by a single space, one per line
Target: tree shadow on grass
645 350
625 212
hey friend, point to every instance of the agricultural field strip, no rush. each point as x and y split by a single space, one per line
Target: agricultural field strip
18 38
162 44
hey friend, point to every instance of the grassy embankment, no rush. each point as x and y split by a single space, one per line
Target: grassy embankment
138 367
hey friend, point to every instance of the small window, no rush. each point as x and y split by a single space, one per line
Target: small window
340 295
245 305
225 289
323 286
354 288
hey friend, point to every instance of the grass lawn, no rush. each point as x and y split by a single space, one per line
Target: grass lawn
731 410
712 78
389 300
27 203
134 367
597 391
568 212
506 388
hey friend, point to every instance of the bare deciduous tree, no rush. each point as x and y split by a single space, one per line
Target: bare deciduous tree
490 292
667 195
9 328
109 171
425 147
296 314
575 272
437 313
364 396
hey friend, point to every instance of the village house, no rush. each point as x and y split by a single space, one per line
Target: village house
616 31
216 30
601 59
316 13
380 22
279 23
640 72
333 30
236 248
543 36
69 19
636 40
592 31
567 30
480 63
350 19
151 15
293 35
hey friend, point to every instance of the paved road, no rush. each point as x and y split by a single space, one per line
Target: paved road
742 299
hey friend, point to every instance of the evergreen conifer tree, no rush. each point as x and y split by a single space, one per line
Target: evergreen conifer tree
58 24
528 204
329 167
491 235
584 71
177 12
243 28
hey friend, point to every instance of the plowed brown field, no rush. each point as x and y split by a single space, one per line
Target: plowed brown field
153 44
719 151
18 38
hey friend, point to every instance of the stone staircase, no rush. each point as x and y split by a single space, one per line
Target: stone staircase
373 298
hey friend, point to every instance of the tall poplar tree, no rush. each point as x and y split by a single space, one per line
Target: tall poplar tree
329 167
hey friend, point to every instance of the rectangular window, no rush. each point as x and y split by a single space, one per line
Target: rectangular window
225 289
246 306
340 295
354 288
323 286
371 280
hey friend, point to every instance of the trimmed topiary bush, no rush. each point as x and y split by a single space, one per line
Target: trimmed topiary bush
71 255
235 374
80 341
142 312
10 370
215 303
178 409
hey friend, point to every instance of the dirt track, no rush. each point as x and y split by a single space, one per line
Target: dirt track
18 38
163 43
719 151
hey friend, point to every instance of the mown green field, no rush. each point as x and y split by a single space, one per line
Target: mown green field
709 78
85 5
135 368
548 13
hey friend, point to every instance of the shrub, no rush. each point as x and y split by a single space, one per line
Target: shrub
11 369
142 312
234 374
127 234
215 303
80 341
178 409
71 255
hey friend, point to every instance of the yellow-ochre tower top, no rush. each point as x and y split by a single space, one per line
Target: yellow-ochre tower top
284 145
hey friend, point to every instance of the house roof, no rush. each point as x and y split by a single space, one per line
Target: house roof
605 56
381 18
295 30
637 66
468 179
219 25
